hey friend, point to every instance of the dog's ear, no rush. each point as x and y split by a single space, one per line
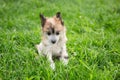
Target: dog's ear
58 15
43 20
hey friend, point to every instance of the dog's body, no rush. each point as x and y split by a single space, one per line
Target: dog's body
53 39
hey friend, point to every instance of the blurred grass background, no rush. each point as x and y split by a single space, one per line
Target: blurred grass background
93 31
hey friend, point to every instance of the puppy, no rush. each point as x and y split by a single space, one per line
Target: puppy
54 39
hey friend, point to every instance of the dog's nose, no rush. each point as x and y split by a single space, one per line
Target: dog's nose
53 41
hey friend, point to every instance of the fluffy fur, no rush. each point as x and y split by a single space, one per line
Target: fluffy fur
53 39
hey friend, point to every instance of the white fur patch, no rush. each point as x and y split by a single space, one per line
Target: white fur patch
57 49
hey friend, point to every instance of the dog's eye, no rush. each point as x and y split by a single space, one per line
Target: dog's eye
48 33
57 33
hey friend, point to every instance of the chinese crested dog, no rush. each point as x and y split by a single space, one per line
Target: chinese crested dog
54 39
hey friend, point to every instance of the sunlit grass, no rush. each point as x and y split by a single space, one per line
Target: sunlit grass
93 31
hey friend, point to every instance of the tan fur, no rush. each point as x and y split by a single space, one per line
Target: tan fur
53 21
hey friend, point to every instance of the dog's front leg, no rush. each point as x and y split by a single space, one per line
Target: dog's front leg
49 57
64 56
39 49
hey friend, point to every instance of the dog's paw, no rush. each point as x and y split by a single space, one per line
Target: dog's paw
65 62
52 65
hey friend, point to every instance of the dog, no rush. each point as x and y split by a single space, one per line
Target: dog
54 39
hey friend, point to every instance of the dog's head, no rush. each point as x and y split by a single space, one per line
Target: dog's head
52 28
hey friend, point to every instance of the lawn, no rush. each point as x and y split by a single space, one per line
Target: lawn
93 31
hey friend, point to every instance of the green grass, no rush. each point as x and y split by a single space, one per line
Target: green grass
93 31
